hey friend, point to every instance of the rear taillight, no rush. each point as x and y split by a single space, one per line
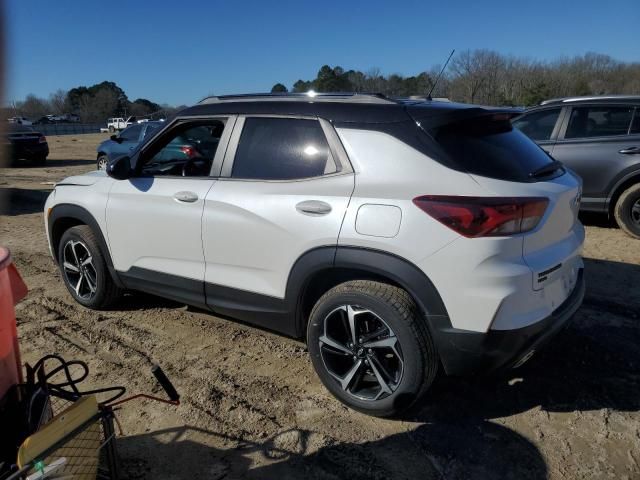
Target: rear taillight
485 216
42 139
188 151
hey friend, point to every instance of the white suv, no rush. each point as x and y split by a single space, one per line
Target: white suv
398 237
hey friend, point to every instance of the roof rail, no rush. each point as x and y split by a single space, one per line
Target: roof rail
588 98
347 97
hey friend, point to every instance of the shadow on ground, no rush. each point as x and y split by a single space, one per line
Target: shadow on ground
593 219
69 163
592 365
22 201
485 450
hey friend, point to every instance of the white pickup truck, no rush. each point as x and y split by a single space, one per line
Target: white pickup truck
119 123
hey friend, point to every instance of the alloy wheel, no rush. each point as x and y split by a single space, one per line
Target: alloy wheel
102 163
79 270
361 352
635 212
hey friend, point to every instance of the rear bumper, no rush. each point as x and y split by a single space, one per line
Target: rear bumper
464 352
29 152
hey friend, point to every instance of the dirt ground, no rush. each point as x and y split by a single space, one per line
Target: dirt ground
252 406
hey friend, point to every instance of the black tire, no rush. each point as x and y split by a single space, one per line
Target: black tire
395 309
627 211
40 161
106 292
102 158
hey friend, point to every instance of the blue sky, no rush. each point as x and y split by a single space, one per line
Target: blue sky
179 51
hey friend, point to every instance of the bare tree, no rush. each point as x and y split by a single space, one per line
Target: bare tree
58 102
32 107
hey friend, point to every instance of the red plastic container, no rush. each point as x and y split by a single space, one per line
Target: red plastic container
12 290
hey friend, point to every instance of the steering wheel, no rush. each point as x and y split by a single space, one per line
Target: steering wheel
191 167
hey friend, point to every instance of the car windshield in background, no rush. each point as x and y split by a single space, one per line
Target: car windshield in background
151 129
492 149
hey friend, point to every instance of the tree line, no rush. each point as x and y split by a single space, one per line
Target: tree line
490 78
473 76
92 104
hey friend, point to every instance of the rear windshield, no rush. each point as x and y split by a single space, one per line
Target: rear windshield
491 149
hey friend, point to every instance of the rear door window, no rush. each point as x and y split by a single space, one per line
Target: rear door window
598 121
282 149
491 148
538 125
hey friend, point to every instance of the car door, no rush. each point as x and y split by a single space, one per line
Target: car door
154 219
595 142
284 190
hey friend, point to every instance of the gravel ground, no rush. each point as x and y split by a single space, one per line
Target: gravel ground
253 408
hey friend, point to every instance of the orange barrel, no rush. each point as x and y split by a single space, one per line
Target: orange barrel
12 290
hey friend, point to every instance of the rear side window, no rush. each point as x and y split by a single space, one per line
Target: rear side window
491 149
538 125
588 122
282 149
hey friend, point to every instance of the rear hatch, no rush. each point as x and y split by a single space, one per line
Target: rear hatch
482 143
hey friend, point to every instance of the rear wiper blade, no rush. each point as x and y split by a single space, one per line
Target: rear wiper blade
546 169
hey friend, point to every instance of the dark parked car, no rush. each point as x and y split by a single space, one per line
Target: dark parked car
25 143
599 138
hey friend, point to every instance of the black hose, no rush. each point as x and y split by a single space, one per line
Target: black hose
69 389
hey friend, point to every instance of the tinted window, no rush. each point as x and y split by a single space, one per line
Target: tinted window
588 122
491 149
635 126
151 128
131 134
282 149
538 125
187 151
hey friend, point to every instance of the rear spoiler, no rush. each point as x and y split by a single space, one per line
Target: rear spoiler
429 119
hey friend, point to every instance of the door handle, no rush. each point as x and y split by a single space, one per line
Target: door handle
185 197
630 151
313 208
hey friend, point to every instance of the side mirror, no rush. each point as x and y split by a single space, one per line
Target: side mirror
120 168
115 138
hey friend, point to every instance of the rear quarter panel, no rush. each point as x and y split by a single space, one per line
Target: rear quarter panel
598 162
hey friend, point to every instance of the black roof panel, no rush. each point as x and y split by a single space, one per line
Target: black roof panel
334 111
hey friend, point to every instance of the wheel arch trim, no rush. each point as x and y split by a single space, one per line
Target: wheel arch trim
629 178
377 262
64 211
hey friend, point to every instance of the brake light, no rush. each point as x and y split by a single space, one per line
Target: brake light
188 151
42 139
485 216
